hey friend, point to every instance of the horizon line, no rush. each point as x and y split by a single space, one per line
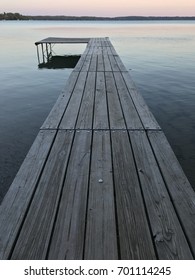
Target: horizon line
103 17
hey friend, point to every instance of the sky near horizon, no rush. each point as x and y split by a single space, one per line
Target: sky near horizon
100 7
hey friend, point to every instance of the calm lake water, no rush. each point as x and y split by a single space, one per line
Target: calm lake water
159 55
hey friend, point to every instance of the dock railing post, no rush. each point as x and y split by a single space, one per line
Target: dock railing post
43 53
47 52
38 54
50 49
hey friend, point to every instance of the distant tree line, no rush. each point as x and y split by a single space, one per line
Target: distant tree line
12 16
17 16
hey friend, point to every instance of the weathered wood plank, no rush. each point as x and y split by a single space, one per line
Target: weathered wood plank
33 241
109 52
120 64
100 107
85 117
134 235
113 51
113 63
115 113
86 63
18 197
145 114
92 50
97 50
55 116
80 63
61 40
168 235
100 64
95 47
101 239
71 113
69 233
131 116
107 41
98 42
107 65
91 43
103 42
181 192
93 64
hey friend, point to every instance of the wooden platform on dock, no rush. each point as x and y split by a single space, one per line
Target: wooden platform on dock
47 44
59 40
100 180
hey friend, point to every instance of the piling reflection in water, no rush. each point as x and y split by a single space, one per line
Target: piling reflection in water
60 62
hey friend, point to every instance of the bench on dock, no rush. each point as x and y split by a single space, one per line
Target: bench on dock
100 180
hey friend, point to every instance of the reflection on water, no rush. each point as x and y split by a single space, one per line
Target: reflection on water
61 62
159 55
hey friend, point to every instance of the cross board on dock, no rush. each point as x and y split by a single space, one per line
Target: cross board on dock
100 180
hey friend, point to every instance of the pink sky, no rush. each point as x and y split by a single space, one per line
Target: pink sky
100 7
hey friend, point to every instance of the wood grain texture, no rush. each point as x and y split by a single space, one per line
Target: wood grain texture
167 232
115 113
91 43
130 113
101 239
34 238
103 42
111 47
80 63
107 64
145 114
120 64
113 50
113 63
108 50
20 193
100 64
69 233
93 64
108 42
100 108
86 52
134 235
71 113
87 62
85 117
180 190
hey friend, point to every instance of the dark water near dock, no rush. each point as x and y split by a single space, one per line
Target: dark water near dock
159 55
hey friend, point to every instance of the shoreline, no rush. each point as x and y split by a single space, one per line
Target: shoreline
18 16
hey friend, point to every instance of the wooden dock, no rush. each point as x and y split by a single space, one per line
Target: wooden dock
100 180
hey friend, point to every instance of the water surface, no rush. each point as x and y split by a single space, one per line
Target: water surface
159 55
